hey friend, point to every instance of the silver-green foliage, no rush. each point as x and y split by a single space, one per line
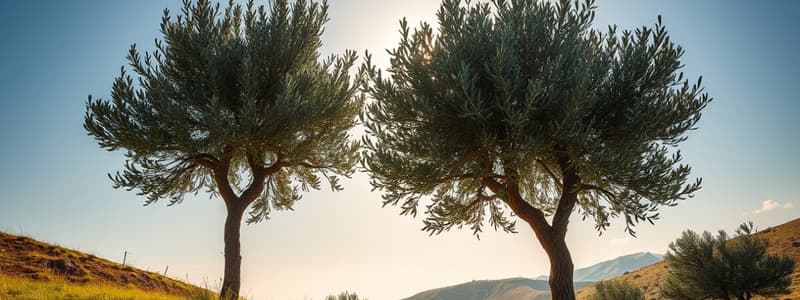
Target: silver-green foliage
515 93
723 267
616 290
242 92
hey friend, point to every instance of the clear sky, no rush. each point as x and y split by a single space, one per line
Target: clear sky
53 183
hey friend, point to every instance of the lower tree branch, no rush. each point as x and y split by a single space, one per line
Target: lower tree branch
534 216
607 193
569 192
260 174
221 169
203 159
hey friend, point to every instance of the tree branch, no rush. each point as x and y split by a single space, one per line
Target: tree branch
275 167
221 169
203 159
607 193
534 216
260 174
569 195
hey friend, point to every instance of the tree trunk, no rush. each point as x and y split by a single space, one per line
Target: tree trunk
236 205
561 269
233 255
725 294
551 238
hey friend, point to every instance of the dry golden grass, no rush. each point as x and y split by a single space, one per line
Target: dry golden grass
25 261
20 288
780 242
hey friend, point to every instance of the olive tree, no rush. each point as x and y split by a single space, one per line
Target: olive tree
520 104
236 102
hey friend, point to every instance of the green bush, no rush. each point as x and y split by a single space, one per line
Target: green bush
344 296
706 266
616 290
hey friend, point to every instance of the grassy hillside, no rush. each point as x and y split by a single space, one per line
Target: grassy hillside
781 239
30 269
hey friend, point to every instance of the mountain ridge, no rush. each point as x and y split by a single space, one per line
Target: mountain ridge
536 288
509 288
613 267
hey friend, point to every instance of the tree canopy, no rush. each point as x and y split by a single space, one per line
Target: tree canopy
506 89
720 267
247 90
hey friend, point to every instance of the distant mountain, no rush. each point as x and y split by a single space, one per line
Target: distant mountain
615 267
503 289
538 288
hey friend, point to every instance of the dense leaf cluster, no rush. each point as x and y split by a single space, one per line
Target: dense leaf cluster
518 92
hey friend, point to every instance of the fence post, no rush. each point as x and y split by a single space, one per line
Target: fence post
124 257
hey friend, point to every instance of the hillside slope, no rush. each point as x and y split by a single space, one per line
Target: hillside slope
537 288
503 289
783 239
26 261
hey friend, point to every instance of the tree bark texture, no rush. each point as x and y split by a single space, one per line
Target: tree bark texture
232 281
561 271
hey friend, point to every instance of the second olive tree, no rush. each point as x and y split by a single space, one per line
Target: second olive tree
521 104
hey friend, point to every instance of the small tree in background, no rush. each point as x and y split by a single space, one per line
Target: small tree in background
236 103
344 296
705 266
521 104
616 290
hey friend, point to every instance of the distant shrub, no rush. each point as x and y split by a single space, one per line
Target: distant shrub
344 296
705 266
616 290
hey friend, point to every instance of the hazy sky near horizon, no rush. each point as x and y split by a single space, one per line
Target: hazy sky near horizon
54 185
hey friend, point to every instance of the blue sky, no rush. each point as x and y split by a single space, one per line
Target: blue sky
54 185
